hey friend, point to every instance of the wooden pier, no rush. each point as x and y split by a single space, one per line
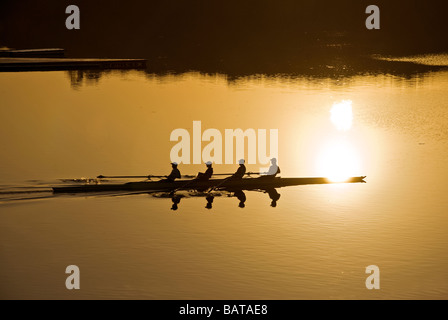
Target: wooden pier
9 64
34 53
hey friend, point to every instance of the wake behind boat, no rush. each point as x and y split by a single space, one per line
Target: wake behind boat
243 184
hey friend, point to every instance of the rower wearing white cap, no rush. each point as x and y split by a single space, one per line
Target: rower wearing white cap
207 174
239 174
175 173
274 169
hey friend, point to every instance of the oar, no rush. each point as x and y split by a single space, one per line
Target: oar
227 179
125 177
136 177
182 186
193 180
131 177
250 173
215 174
151 176
218 185
225 174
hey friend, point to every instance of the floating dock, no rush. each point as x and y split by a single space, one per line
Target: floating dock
34 53
9 64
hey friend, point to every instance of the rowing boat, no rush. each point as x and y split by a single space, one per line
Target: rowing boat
244 184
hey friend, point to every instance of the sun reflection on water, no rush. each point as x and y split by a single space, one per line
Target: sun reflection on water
338 159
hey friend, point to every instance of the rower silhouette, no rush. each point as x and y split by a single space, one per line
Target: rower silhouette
274 169
204 176
175 173
239 174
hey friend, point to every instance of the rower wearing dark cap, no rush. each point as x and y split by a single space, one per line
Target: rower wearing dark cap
239 174
175 173
207 174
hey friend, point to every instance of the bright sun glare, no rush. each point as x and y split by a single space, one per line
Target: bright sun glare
338 161
341 115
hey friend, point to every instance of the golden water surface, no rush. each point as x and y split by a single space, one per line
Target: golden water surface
317 241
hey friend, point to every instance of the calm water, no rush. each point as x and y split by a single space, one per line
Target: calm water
317 241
